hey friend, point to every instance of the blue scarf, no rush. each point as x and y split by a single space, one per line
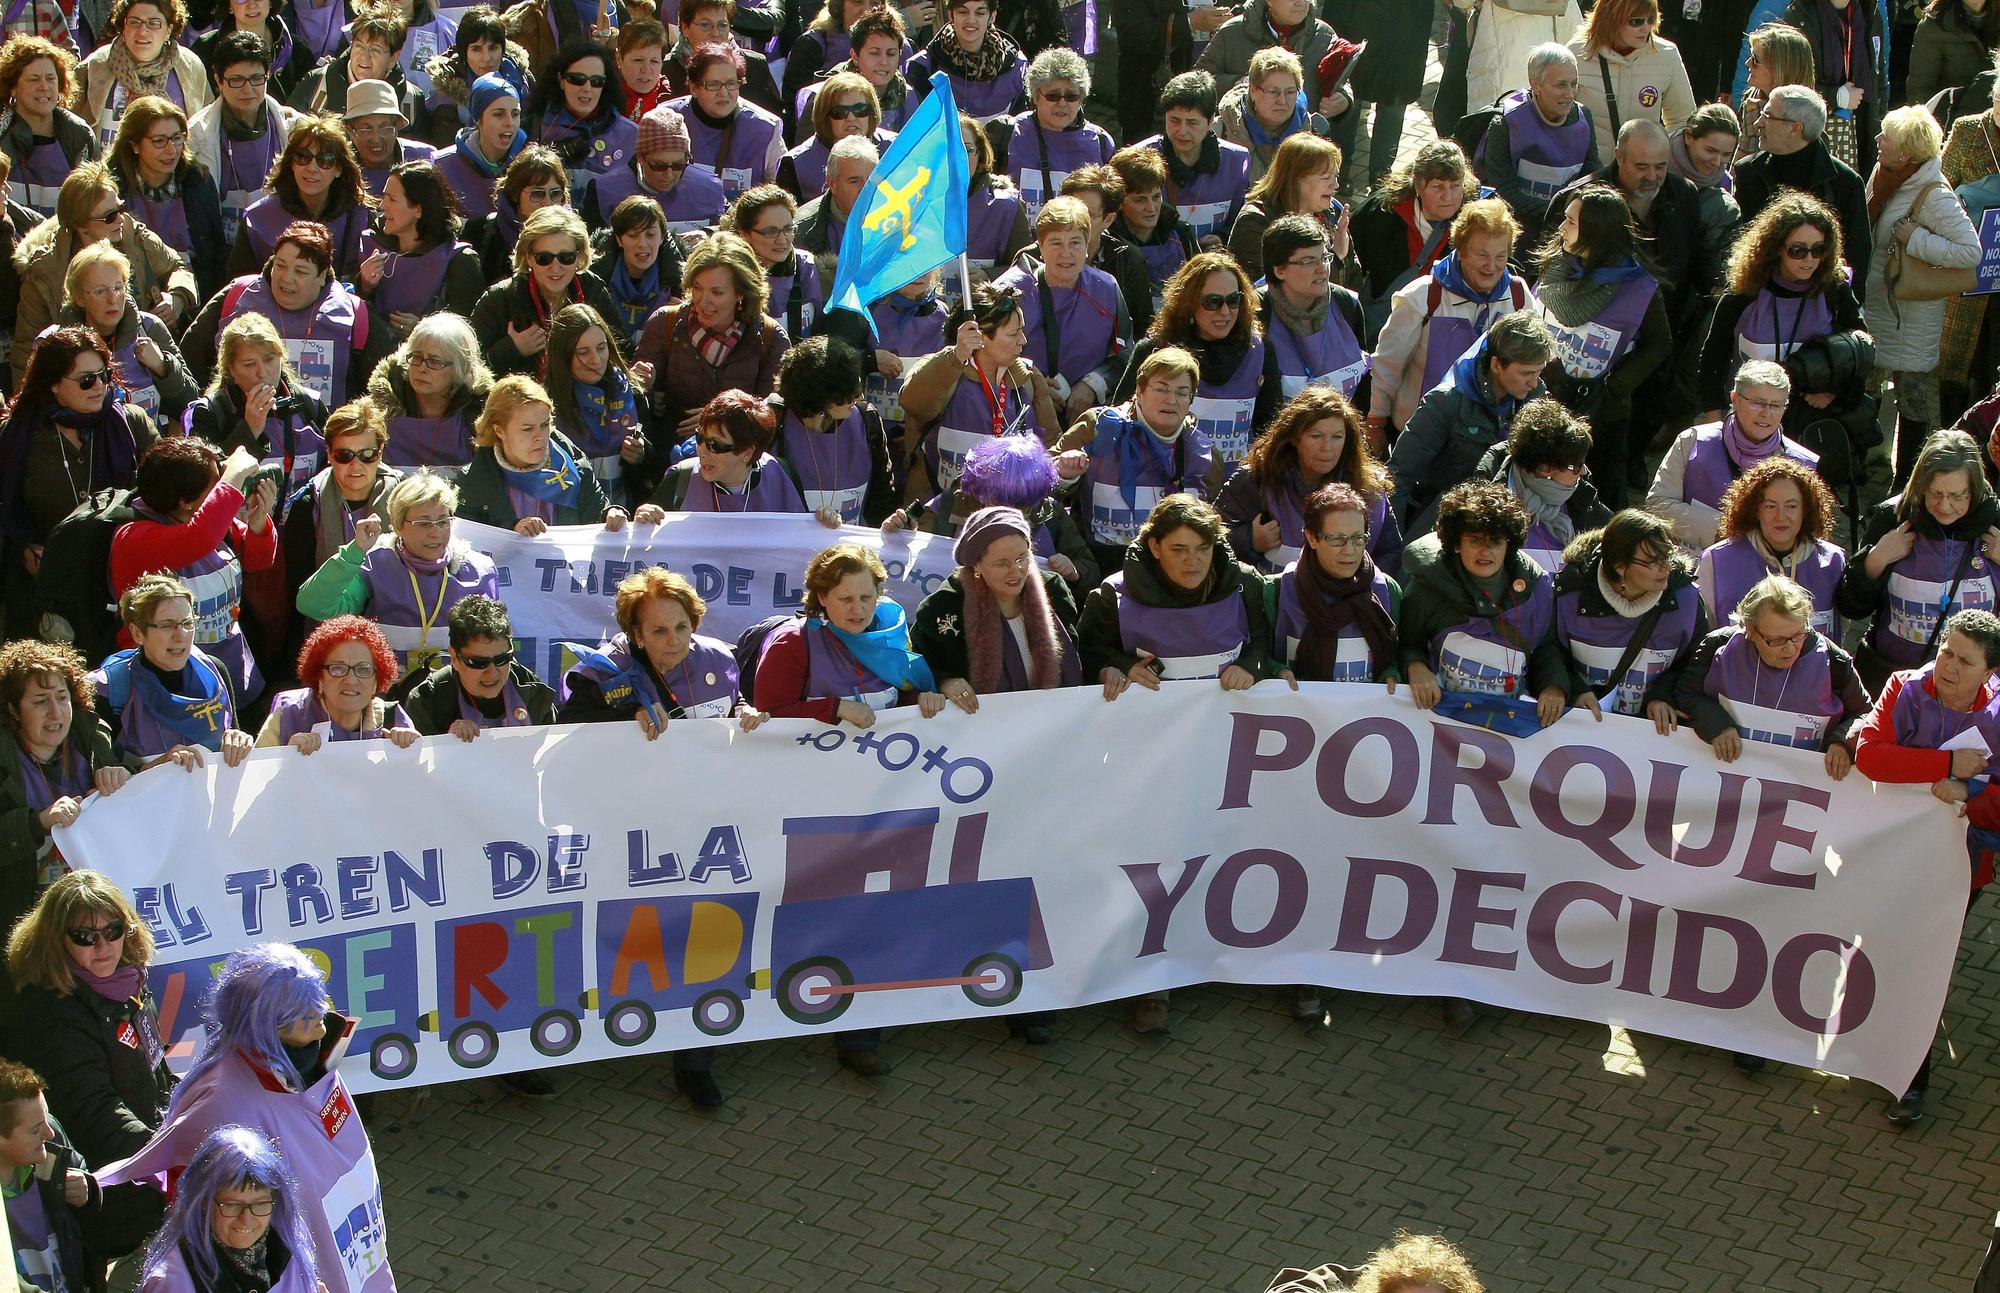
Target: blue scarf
910 309
559 481
883 648
620 678
1448 274
470 151
1133 437
605 413
634 299
1465 375
198 719
1255 128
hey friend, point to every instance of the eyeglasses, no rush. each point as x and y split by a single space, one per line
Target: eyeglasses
235 1211
1805 250
439 525
842 111
1339 541
551 257
1650 563
92 937
1218 301
717 87
671 168
1764 406
425 360
1947 496
579 80
256 81
1021 562
345 456
1791 640
481 663
776 231
173 141
134 22
1308 263
1278 91
716 446
326 161
1557 472
547 197
1061 96
339 669
84 381
377 130
1768 115
185 624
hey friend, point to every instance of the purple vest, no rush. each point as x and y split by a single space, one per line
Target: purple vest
244 166
989 220
1731 568
833 468
299 710
797 298
1114 521
140 386
320 338
832 672
770 490
1490 656
1919 594
1352 660
1596 642
983 101
1791 707
968 418
1163 259
1039 160
1922 722
1189 641
1209 203
151 721
1592 348
375 179
1080 22
747 140
1222 412
611 149
475 188
167 218
1710 470
1085 320
1286 505
411 284
430 442
320 26
1543 547
266 218
37 179
705 684
911 338
1545 157
809 162
1330 357
1773 326
419 634
424 43
694 204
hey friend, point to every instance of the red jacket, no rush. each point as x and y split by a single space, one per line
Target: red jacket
783 671
1879 758
143 546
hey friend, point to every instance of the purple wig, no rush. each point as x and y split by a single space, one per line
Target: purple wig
260 990
1009 471
230 1157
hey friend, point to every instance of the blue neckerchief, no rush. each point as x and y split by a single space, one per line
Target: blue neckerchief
1465 376
621 680
470 152
606 413
633 299
883 648
558 481
1448 274
198 719
910 309
1255 128
1134 437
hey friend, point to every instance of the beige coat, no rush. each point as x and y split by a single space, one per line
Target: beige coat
1651 84
929 386
1909 334
96 82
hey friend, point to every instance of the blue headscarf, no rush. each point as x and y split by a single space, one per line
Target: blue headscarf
487 91
883 648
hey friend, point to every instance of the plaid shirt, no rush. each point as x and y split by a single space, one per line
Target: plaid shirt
49 19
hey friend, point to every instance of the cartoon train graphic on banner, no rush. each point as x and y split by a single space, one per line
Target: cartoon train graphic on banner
858 914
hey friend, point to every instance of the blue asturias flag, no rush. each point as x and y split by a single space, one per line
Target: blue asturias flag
911 216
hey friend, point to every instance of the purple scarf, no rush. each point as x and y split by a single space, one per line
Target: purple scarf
1745 452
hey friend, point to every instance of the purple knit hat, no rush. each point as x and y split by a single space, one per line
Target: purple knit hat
984 528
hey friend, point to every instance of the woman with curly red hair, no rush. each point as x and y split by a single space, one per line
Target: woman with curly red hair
346 665
1777 519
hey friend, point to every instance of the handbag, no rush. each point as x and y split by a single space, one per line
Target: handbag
1911 279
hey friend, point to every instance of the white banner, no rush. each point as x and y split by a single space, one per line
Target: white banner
560 586
554 895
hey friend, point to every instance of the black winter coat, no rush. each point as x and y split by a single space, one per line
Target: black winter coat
1391 68
99 1082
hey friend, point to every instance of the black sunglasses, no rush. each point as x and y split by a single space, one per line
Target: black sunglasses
84 381
487 661
717 446
92 937
1804 250
842 110
549 257
1217 301
579 80
345 456
325 161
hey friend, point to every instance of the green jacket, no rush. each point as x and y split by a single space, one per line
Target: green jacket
1103 647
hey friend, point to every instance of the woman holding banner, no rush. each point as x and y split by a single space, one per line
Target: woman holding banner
1915 736
346 666
1211 312
1336 619
1629 616
268 1062
526 476
1316 440
238 1222
167 699
1777 519
998 623
730 470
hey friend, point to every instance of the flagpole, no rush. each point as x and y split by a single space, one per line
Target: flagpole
965 279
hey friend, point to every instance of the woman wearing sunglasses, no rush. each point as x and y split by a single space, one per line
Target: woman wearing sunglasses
238 1222
845 105
268 1062
534 179
1620 54
316 178
877 44
143 56
1211 313
166 698
352 487
573 108
347 666
730 470
551 269
484 684
409 584
1052 138
527 476
87 1014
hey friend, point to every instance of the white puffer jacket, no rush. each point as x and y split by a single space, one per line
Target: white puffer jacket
1500 45
1908 334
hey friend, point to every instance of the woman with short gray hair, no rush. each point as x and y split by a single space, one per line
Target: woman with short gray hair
1052 139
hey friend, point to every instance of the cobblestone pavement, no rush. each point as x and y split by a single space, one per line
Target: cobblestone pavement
1563 1155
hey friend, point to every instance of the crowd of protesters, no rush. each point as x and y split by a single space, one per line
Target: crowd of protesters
1571 407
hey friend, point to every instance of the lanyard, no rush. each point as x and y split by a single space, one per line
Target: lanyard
426 620
993 399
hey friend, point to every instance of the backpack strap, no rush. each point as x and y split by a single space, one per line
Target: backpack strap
1436 299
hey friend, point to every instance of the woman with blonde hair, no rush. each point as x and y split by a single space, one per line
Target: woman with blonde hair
316 177
719 338
551 269
258 401
1302 179
97 294
1627 71
1918 222
1210 312
1315 440
1267 107
1779 55
526 475
844 104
